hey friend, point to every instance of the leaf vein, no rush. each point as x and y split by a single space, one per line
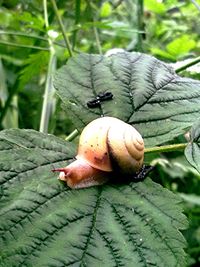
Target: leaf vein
92 225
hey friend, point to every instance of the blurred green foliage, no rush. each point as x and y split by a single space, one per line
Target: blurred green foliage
175 173
167 29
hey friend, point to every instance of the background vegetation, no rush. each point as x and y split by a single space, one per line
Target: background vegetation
34 42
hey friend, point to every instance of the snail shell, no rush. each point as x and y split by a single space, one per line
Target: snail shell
107 145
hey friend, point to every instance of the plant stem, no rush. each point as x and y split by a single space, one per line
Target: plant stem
25 46
72 135
191 63
48 102
11 118
8 101
196 4
140 25
96 34
62 28
167 148
77 18
29 36
45 14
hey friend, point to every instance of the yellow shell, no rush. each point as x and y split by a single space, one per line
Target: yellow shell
108 143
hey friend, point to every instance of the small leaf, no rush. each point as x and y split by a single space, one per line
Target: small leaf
11 117
33 66
31 21
155 6
192 151
105 9
44 223
147 93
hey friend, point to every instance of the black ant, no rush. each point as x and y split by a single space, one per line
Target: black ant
99 98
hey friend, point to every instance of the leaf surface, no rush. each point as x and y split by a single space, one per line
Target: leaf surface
192 151
147 93
44 223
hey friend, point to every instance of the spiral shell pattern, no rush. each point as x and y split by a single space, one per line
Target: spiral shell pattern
109 144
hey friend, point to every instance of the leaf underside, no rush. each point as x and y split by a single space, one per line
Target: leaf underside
192 151
147 93
44 223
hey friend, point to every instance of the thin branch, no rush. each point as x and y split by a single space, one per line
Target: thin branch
196 4
119 2
47 26
30 36
76 21
25 46
8 101
72 135
62 28
167 148
48 102
46 21
191 63
24 34
140 23
96 34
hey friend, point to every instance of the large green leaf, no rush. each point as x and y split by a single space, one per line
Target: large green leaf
192 151
44 223
147 93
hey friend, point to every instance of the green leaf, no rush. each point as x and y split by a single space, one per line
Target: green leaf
6 18
155 6
105 10
147 93
33 66
31 21
181 46
44 223
161 53
192 151
190 199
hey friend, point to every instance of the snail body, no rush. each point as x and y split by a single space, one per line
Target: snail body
107 146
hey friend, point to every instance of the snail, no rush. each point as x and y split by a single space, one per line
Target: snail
108 147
